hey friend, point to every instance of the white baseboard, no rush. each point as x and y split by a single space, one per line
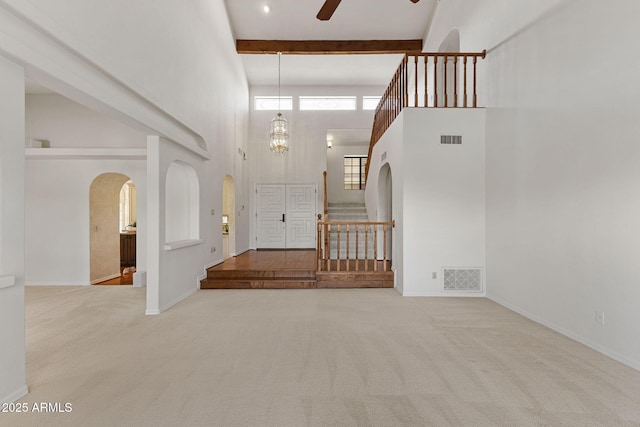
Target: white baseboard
7 281
12 397
441 295
213 264
104 279
167 306
140 279
635 364
180 298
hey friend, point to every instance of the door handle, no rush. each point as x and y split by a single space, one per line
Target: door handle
282 217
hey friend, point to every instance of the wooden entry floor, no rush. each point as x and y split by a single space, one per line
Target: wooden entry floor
124 279
286 269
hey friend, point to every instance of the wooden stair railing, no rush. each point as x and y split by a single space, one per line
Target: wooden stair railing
359 260
416 74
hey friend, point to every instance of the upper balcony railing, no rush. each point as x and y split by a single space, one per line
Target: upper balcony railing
427 80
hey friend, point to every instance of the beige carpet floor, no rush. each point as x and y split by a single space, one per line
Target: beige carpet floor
309 358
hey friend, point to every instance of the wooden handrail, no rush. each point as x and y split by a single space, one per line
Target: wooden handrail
397 95
350 261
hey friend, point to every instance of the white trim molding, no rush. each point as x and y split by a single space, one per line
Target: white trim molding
635 364
179 244
152 312
87 153
7 281
105 278
18 394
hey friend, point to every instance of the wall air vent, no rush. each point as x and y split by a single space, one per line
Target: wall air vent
451 139
466 279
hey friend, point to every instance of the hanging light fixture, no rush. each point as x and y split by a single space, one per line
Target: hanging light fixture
279 134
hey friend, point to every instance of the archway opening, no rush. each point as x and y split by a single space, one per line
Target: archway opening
228 218
385 205
112 211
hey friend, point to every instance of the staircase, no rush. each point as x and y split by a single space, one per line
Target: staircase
264 270
350 212
260 279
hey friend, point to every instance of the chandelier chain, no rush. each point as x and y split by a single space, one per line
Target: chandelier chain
279 134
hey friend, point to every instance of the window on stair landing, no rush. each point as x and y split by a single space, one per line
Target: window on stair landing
354 169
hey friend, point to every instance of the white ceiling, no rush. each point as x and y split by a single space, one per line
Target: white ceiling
353 20
296 20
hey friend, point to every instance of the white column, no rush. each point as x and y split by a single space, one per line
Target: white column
12 183
155 218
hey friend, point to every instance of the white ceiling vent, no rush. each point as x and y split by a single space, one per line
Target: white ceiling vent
466 279
451 139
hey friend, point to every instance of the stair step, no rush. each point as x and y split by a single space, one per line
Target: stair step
261 274
294 283
282 270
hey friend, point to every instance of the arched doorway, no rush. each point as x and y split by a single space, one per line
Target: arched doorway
112 211
385 203
228 217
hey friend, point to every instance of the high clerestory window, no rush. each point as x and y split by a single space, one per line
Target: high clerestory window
315 103
354 172
271 103
328 103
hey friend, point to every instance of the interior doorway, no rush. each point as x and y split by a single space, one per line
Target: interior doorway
385 204
112 210
228 218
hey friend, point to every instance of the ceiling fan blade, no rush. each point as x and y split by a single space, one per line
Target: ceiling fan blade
327 9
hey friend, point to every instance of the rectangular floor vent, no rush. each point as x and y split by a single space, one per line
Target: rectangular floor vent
462 279
451 139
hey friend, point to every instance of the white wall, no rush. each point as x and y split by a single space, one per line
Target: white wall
57 188
175 272
307 156
444 196
187 84
180 56
562 161
57 216
335 174
67 124
441 222
12 325
389 150
170 71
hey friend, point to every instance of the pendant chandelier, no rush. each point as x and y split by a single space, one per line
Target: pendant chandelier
279 134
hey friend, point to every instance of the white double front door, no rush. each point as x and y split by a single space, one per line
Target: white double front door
286 216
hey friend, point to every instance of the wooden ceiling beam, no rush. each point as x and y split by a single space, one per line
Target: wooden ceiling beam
328 47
